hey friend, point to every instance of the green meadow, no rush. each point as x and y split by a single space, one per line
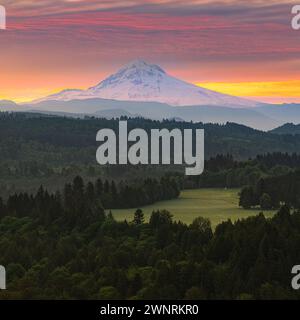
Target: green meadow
216 204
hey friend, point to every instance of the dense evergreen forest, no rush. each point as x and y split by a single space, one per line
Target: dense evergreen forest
271 192
108 195
63 141
59 241
223 171
67 247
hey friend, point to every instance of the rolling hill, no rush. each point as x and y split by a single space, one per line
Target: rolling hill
288 128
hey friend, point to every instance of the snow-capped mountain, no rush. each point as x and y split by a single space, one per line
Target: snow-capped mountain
140 81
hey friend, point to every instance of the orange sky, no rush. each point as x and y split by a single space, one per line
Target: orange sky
229 46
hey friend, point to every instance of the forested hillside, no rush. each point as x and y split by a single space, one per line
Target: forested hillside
65 140
288 128
48 150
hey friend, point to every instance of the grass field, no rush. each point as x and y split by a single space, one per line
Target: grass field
216 204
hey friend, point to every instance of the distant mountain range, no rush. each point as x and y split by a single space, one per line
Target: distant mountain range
145 90
262 118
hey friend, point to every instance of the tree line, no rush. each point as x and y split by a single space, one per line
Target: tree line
82 203
271 192
223 171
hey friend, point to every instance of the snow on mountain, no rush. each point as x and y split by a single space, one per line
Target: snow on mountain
140 81
65 95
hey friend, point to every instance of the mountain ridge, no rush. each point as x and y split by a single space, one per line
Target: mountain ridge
154 110
287 128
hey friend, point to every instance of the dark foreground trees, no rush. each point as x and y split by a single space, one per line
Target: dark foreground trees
271 192
83 253
80 204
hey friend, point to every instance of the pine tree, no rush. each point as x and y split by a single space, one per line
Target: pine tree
138 217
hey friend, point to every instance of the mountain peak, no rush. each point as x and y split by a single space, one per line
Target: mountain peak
137 76
142 65
142 81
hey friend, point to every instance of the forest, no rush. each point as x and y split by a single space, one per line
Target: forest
48 150
59 239
110 195
271 192
64 140
67 247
